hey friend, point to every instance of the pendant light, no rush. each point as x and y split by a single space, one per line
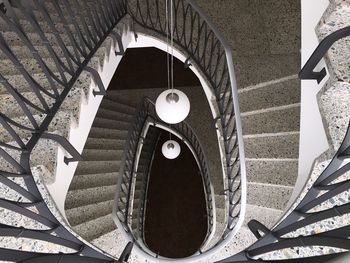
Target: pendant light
172 105
171 149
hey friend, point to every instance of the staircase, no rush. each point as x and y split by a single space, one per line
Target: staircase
90 198
141 183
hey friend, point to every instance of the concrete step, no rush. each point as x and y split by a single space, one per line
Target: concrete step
113 115
221 215
17 81
272 171
243 239
82 214
268 195
9 106
256 69
115 95
96 228
105 133
60 125
116 106
102 155
279 145
22 51
105 144
273 95
272 120
111 124
83 197
266 216
97 167
83 181
112 242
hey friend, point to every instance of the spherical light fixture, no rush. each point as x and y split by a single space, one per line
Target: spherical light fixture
171 149
172 106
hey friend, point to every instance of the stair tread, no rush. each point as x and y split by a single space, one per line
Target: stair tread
82 214
95 228
81 181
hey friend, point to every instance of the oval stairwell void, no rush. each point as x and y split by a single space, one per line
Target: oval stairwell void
175 220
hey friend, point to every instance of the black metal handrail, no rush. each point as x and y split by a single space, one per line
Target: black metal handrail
146 116
307 72
83 29
148 158
325 187
307 210
206 50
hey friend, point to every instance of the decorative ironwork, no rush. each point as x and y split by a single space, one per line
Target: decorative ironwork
197 38
76 34
146 116
307 72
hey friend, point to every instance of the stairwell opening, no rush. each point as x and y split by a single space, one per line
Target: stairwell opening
175 218
142 72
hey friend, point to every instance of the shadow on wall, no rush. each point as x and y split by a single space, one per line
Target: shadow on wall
176 216
142 68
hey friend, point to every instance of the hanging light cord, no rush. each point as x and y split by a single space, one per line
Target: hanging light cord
167 41
172 43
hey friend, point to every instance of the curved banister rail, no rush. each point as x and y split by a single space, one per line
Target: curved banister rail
145 117
66 21
321 199
205 48
307 72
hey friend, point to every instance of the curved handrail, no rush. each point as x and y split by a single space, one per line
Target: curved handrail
206 49
145 117
322 48
69 28
320 200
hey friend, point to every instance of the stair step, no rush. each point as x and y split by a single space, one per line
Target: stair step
282 145
266 216
105 144
10 107
95 228
269 195
272 171
274 95
111 124
87 213
93 180
83 197
102 155
272 121
221 215
220 201
112 242
116 106
96 132
243 239
30 64
114 95
113 115
97 167
262 68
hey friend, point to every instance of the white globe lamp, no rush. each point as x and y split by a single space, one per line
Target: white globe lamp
171 149
172 106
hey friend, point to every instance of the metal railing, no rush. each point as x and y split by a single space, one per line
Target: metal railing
76 33
320 201
146 117
149 142
206 50
307 72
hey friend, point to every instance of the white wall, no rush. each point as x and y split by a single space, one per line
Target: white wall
313 140
78 135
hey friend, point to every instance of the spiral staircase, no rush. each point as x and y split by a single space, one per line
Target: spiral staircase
53 55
